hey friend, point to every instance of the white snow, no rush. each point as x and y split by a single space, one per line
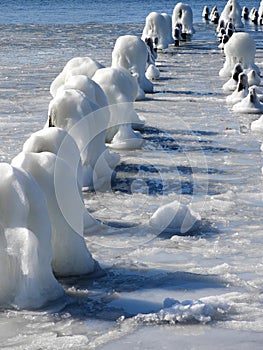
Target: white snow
87 123
241 90
249 104
27 280
175 217
70 255
240 48
232 13
75 66
59 142
183 14
130 52
201 288
158 27
120 88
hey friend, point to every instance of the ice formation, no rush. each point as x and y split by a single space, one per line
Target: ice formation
224 40
120 88
57 141
130 52
27 280
152 72
253 15
72 111
241 49
232 13
203 310
98 100
169 27
249 104
257 125
214 15
206 13
70 255
127 138
260 12
253 77
88 86
152 51
176 218
245 13
241 90
158 27
231 84
76 66
183 15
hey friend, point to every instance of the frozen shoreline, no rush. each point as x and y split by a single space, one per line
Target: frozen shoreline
196 151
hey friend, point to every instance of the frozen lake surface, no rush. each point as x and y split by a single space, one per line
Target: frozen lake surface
196 291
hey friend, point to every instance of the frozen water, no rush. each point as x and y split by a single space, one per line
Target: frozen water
183 14
76 66
249 104
130 52
27 280
232 13
231 84
253 77
120 87
257 125
241 90
152 72
175 218
70 255
195 151
240 48
87 123
158 27
57 141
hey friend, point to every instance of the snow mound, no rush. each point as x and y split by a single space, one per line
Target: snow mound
175 218
203 310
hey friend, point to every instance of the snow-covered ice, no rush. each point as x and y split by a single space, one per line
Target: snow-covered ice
158 27
232 13
27 280
240 48
70 255
130 52
155 289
